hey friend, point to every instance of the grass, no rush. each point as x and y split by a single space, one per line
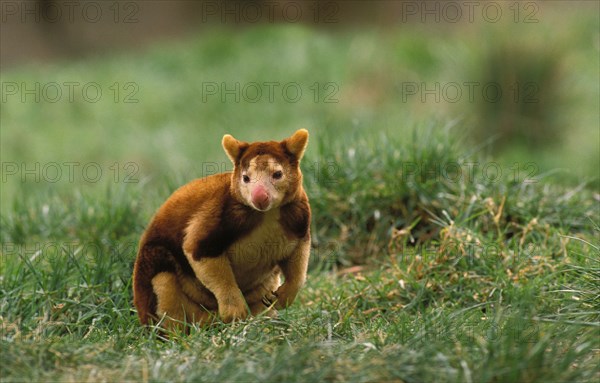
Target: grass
483 292
425 267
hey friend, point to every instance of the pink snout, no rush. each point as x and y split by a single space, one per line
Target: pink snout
260 197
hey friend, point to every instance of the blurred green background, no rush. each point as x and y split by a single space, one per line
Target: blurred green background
382 66
415 269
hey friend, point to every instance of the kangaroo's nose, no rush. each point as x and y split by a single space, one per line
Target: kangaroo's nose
260 197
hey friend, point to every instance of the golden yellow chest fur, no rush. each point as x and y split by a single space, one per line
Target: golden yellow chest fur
260 251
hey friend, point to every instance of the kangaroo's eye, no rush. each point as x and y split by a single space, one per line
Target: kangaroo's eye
245 178
277 175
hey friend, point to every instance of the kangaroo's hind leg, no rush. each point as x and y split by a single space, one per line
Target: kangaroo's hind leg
174 305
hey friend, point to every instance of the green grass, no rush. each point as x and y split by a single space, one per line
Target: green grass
418 273
480 299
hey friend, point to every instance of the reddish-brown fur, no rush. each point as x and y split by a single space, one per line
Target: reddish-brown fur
209 250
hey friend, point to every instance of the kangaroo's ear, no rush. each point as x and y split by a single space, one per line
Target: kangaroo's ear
296 144
233 148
